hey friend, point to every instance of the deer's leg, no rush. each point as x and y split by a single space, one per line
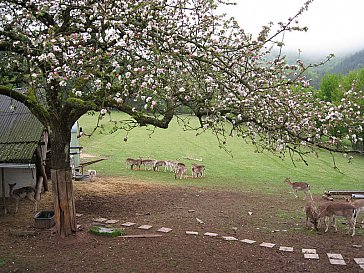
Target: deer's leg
335 226
294 192
16 205
30 196
327 223
353 226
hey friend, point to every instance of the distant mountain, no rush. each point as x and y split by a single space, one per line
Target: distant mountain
353 62
338 65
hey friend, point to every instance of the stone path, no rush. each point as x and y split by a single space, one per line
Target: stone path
308 253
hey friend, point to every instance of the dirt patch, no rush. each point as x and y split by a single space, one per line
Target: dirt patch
243 215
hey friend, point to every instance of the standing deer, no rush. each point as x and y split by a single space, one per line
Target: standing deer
21 193
198 170
180 171
299 186
334 210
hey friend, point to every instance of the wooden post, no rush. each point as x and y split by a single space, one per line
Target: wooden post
40 164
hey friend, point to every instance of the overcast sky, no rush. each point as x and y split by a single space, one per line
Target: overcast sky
334 26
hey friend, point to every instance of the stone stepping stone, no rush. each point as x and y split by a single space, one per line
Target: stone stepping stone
335 256
308 251
337 261
361 266
128 224
164 230
229 238
145 227
191 232
99 220
286 248
269 245
211 234
359 261
111 221
247 241
311 256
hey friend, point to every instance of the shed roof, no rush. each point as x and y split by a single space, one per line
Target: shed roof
20 132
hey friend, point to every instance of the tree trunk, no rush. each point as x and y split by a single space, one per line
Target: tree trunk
64 205
61 175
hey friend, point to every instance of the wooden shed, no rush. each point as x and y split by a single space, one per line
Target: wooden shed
23 147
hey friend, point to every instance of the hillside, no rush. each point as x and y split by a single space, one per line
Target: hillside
338 65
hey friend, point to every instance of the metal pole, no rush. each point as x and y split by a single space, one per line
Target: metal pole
3 189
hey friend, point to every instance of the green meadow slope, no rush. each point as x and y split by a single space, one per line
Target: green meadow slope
244 169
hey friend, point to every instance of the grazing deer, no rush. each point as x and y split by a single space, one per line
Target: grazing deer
311 214
148 164
198 170
299 186
358 204
180 171
21 193
160 163
133 162
171 165
334 210
312 211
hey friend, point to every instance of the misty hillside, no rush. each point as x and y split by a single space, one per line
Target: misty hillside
338 65
355 61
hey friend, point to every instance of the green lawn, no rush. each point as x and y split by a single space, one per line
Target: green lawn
246 170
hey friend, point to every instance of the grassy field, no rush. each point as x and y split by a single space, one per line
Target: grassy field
245 170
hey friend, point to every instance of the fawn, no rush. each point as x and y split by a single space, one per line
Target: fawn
299 186
21 193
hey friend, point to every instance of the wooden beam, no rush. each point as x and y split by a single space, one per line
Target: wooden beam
343 192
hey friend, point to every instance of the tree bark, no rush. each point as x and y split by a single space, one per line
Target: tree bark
64 206
61 175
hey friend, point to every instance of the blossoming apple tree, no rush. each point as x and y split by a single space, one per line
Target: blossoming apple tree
148 58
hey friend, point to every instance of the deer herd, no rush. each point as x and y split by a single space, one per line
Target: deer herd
178 168
325 210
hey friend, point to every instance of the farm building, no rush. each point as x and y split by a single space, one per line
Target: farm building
23 147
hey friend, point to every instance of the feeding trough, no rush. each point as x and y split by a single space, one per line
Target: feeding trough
44 219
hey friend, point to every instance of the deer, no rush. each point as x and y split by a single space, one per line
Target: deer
312 211
171 165
133 162
311 214
299 186
148 164
358 204
198 170
180 171
21 193
160 163
333 210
